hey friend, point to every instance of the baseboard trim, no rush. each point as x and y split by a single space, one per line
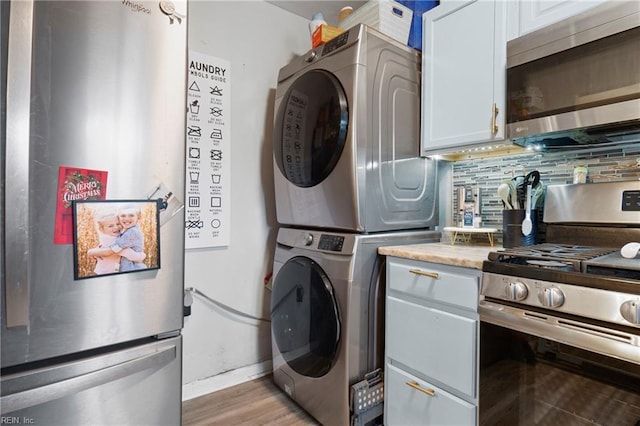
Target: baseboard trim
225 380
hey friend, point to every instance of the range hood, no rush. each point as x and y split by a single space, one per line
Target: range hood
576 83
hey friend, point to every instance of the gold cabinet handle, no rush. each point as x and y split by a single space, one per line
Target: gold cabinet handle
494 119
416 386
424 273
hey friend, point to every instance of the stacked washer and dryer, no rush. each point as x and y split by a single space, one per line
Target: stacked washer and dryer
348 179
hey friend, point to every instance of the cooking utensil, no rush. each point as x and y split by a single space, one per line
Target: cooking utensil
532 178
503 193
513 200
537 197
521 193
527 225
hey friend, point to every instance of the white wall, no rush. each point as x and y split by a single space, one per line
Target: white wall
257 39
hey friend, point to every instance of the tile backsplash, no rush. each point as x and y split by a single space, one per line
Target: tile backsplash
612 164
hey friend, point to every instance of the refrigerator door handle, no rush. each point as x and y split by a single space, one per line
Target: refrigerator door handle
41 394
18 99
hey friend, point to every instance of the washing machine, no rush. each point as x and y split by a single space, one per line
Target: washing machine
327 314
346 139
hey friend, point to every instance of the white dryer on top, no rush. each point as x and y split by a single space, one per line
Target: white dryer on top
347 138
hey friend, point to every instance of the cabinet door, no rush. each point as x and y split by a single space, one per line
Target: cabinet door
441 284
464 60
536 14
411 401
437 344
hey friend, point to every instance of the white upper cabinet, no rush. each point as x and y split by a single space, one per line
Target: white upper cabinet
529 15
464 68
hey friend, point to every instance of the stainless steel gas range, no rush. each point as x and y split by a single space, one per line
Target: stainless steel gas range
560 321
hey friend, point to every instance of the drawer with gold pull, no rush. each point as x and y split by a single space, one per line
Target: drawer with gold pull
434 282
420 403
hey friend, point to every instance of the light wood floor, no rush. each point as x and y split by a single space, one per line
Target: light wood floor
258 402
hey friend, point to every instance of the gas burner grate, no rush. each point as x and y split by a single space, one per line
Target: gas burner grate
556 251
559 251
553 256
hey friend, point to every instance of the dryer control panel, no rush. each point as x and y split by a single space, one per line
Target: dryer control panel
335 43
331 242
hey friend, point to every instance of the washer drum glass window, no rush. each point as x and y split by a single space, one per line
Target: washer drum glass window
311 128
304 317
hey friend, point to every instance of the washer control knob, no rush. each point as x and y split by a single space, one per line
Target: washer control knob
551 297
630 310
312 55
308 239
516 291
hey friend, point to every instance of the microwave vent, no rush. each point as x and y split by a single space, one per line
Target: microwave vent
604 136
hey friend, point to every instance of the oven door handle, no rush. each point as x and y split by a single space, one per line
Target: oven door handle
593 338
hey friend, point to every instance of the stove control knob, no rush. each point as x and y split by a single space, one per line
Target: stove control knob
630 310
551 297
516 291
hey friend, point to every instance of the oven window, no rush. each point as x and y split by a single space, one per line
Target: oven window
311 128
528 380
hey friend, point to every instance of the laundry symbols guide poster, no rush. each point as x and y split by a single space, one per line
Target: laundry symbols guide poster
207 209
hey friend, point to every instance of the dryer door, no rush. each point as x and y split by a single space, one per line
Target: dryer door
304 317
311 128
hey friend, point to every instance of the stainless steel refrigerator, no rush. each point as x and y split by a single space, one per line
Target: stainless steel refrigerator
98 85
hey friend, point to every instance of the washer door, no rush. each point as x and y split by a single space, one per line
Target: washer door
304 317
311 128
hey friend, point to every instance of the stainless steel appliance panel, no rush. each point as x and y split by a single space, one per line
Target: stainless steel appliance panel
560 85
543 377
107 92
560 331
351 161
618 203
135 386
349 267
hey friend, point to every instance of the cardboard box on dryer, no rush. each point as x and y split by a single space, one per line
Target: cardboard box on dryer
323 34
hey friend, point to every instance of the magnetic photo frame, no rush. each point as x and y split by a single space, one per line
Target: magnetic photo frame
115 237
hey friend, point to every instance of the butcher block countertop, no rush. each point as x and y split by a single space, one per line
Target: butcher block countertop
467 256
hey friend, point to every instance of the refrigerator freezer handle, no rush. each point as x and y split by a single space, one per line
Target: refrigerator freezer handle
18 97
72 385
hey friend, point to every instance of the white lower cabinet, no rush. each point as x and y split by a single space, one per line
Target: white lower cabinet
451 343
431 344
417 402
